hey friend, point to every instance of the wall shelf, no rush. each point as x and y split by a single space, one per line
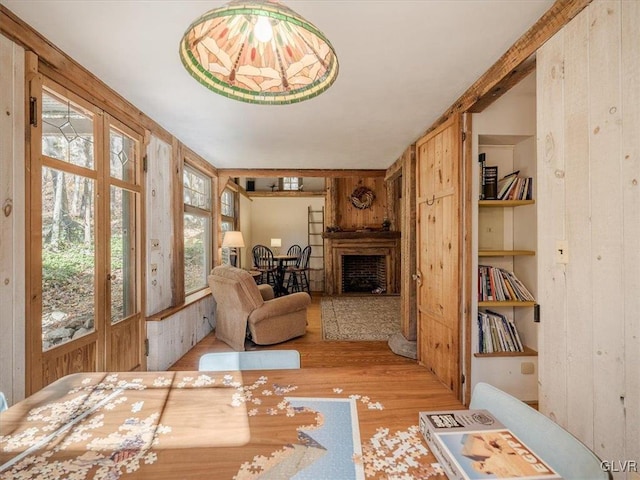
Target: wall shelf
528 352
504 253
508 303
504 203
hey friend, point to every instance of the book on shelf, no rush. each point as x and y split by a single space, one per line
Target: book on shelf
498 284
482 158
497 333
505 183
490 176
473 444
514 187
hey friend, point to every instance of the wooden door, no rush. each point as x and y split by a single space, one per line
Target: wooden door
124 323
438 241
84 284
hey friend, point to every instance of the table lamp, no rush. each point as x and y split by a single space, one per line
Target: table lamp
276 243
233 240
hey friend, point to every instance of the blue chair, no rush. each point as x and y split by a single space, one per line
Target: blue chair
250 360
556 446
3 402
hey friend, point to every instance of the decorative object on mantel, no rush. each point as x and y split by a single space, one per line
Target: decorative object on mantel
333 228
386 224
362 197
259 51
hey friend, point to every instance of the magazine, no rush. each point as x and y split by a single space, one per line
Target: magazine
473 444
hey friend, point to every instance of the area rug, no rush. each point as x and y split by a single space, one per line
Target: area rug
360 318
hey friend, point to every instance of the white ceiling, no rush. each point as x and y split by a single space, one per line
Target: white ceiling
402 64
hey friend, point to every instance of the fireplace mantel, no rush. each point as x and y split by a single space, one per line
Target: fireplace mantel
382 243
361 234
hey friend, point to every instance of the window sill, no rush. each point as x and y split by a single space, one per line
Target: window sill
188 301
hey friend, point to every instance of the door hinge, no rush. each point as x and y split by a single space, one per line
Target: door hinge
144 163
146 347
33 111
464 136
463 379
536 313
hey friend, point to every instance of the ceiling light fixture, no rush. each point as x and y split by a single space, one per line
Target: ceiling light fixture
259 51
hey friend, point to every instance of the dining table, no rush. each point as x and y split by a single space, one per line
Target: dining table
310 423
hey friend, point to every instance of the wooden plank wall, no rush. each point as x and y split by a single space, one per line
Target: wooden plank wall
351 218
173 336
12 221
588 194
159 229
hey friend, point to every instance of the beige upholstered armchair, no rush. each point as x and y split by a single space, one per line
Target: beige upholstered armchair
246 309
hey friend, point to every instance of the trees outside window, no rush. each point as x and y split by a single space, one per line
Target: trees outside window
197 228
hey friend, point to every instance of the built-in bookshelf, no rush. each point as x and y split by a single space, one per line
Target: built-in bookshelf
508 296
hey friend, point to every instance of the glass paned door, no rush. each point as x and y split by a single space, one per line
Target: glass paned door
84 287
68 257
124 329
123 272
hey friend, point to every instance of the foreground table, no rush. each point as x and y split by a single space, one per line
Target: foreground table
223 425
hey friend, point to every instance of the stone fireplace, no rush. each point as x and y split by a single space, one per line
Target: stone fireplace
359 262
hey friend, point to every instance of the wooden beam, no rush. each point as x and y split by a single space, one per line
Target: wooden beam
286 193
503 86
277 172
513 65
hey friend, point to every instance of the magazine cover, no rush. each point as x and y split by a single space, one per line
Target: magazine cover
473 444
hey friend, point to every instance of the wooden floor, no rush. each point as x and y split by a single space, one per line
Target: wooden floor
314 351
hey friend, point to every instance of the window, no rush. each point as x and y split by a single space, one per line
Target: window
290 183
229 217
197 229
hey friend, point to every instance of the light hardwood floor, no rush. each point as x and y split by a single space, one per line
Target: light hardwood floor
314 352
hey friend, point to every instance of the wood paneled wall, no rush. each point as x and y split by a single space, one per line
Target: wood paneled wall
173 336
159 228
589 195
12 221
342 213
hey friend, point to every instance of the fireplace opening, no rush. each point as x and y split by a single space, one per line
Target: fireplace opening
364 273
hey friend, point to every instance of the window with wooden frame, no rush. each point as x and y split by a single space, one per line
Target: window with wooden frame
197 228
228 217
290 183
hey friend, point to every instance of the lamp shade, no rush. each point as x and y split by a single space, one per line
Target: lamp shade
276 242
259 51
233 239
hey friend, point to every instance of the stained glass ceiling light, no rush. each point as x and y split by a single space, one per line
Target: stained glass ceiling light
259 51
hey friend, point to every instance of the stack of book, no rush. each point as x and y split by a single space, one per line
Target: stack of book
498 284
514 187
497 333
473 444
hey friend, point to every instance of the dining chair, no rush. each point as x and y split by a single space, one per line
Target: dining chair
298 280
264 262
294 250
557 447
250 360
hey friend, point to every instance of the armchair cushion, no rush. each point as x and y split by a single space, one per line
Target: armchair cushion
244 308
